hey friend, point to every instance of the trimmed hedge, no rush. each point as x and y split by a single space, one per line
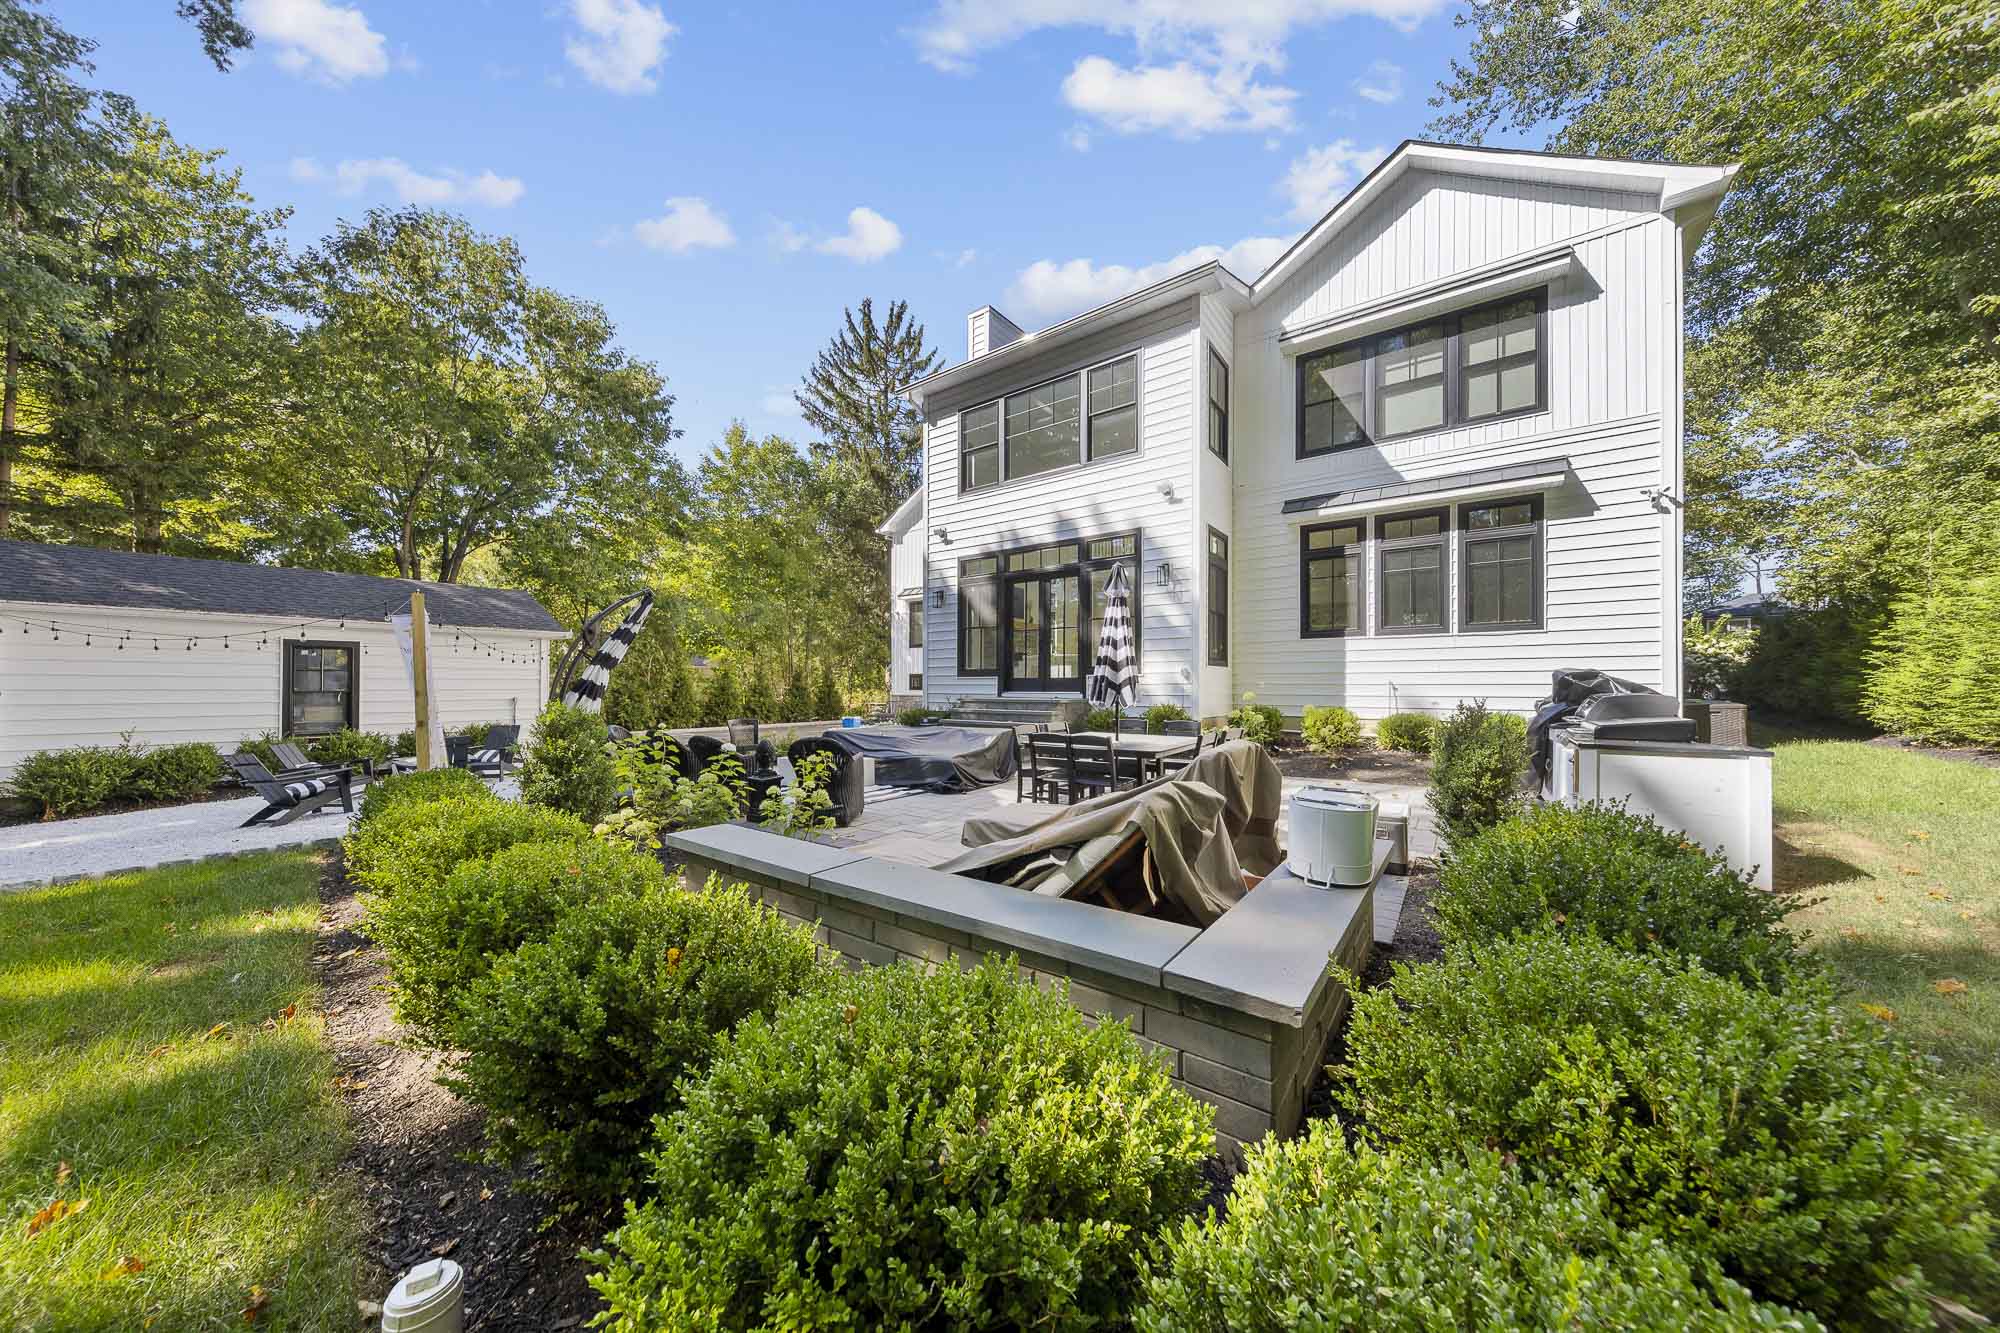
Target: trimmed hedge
1318 1237
82 778
1817 1164
1414 732
1600 869
952 1150
430 785
444 935
415 845
1329 730
577 1041
175 773
1478 759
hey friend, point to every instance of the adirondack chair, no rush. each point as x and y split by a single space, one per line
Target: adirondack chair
294 763
290 798
494 757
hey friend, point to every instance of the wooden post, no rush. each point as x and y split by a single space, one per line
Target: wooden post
420 671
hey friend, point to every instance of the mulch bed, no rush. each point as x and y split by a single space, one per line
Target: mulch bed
1363 765
1957 754
412 1142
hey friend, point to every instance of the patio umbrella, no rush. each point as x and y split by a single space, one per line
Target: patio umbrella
588 692
1115 680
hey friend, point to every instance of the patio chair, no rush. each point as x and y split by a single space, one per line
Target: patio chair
1175 764
845 789
288 799
703 749
1181 726
1044 768
1134 725
679 757
484 760
1095 767
295 763
743 733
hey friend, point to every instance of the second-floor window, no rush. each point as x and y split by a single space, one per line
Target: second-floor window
1082 417
1218 405
1476 365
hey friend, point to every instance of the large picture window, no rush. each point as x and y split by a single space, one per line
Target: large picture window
1476 365
1410 560
1500 559
1330 580
1218 599
1088 415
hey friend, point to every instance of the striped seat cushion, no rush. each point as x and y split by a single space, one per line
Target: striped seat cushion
485 756
305 787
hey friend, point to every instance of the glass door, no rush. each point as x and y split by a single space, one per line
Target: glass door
1044 638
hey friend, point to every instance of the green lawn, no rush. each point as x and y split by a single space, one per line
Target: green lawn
1905 848
144 1042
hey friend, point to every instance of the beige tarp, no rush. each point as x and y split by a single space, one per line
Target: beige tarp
1183 843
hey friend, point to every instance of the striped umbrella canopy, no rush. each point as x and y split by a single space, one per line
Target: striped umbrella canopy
588 692
1115 680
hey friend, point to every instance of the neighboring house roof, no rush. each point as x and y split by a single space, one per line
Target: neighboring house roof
98 576
1692 192
906 513
1751 606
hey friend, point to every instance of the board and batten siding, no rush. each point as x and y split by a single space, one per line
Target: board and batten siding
1610 570
906 582
1095 500
62 692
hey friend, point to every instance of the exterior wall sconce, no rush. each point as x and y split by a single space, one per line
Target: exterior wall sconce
1167 491
1168 578
937 598
944 537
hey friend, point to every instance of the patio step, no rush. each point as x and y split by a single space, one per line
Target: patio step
1018 711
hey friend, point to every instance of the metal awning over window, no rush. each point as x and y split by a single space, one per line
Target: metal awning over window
1543 474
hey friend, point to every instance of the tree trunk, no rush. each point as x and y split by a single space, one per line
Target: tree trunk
9 395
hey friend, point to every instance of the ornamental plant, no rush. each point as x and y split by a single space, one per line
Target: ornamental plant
805 808
577 1041
565 766
1602 870
444 935
69 782
174 773
795 705
1813 1161
903 1149
413 846
1322 1237
1330 730
1100 719
411 788
1159 715
1477 762
1414 732
826 704
1261 723
348 746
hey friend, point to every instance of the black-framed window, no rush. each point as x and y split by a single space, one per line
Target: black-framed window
916 613
1330 580
1480 364
979 616
916 681
322 686
1410 572
1089 414
1218 405
1500 564
1218 599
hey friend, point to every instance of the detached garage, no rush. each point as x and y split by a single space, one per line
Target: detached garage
95 643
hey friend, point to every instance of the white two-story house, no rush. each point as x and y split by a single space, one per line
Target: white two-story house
1430 455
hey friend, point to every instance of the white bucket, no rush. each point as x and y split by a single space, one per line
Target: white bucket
430 1298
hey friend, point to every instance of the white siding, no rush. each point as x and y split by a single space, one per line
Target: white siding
60 692
1611 595
1217 500
1092 501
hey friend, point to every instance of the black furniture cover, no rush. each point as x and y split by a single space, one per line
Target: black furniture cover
1585 692
935 758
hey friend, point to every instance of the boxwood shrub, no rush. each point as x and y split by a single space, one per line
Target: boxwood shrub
69 782
1478 759
429 785
1413 732
1601 869
576 1042
175 772
443 936
1321 1237
951 1150
1159 715
413 846
1817 1163
1329 730
567 764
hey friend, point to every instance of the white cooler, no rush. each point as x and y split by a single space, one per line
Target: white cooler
1332 835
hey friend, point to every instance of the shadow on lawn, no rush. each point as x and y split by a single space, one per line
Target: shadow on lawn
1797 869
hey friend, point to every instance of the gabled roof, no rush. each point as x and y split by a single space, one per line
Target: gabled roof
1676 185
97 576
906 513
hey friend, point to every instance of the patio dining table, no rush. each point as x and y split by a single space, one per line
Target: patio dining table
1149 749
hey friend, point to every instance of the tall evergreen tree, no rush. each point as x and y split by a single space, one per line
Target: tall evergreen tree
719 702
758 699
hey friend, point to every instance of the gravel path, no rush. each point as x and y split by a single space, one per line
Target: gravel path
32 855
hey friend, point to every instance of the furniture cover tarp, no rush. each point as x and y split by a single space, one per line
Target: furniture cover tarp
1184 841
941 758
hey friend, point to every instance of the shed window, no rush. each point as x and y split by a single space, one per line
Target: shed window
1501 564
1330 580
1411 564
320 687
1043 428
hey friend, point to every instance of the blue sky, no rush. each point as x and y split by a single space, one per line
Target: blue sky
725 178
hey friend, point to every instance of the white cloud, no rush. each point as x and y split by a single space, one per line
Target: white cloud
328 41
869 237
788 238
1077 138
408 185
621 45
1383 83
688 224
1180 99
1216 33
965 257
1315 182
1049 289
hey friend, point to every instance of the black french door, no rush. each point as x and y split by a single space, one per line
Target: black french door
1044 621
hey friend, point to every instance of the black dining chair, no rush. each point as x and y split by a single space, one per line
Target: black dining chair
1093 767
743 733
1176 764
1130 725
1044 768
